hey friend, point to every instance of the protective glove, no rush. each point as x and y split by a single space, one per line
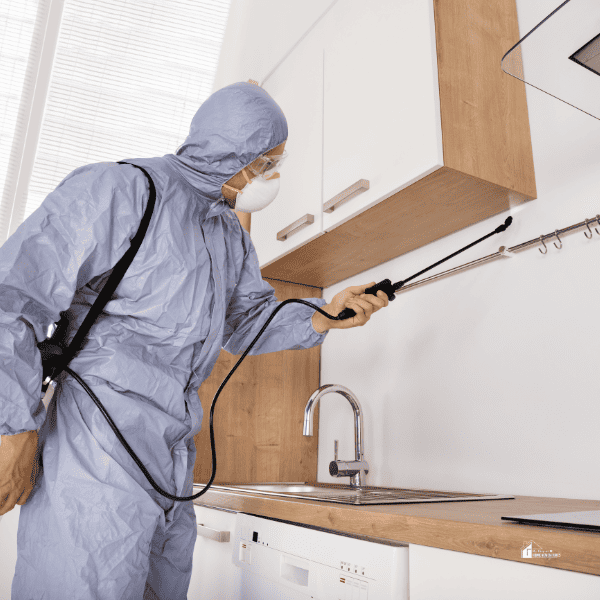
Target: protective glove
364 305
19 468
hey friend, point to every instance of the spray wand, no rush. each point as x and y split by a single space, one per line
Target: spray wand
390 288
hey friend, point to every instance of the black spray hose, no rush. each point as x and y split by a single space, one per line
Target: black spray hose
385 285
212 409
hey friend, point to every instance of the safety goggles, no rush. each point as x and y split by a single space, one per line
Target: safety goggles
267 165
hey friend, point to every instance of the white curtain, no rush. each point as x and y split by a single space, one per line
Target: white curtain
87 81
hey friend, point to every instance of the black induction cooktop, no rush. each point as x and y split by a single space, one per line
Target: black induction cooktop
587 519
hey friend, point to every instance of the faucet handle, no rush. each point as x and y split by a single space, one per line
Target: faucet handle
335 450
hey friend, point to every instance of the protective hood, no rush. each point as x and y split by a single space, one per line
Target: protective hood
231 129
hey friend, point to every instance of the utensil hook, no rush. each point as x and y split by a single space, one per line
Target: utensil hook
556 234
542 240
589 237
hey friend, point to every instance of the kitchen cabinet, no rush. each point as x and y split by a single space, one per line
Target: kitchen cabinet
415 103
461 576
298 87
214 575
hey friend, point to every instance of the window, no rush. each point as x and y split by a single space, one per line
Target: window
21 38
126 78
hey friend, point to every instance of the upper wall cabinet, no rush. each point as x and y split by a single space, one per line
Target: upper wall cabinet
422 134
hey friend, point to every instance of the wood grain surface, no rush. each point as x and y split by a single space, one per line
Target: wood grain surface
259 414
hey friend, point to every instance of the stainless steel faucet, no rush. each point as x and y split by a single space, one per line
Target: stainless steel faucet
358 468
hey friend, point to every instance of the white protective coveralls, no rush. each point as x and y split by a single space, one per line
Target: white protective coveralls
93 526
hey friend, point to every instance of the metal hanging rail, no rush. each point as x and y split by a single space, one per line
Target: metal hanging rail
504 252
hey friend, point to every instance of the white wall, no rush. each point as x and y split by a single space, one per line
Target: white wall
484 381
487 380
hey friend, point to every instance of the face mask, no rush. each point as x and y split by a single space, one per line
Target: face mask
256 195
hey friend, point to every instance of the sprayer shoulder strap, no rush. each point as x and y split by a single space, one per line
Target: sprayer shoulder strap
115 277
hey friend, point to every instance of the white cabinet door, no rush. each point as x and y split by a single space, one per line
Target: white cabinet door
381 101
436 573
214 574
297 86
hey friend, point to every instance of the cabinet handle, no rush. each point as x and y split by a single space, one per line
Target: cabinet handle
357 188
284 234
212 534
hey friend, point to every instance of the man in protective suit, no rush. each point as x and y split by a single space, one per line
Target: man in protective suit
91 526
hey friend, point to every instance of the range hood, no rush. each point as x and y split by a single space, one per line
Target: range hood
561 56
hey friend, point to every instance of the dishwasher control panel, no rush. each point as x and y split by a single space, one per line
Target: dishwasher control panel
317 564
352 568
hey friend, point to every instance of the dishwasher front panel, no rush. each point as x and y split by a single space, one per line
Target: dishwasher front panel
284 561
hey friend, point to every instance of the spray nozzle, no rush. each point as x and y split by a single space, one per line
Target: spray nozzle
504 226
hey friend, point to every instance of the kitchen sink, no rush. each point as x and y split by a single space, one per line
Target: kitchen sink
346 494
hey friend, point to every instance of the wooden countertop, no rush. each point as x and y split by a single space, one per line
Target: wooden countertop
473 527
